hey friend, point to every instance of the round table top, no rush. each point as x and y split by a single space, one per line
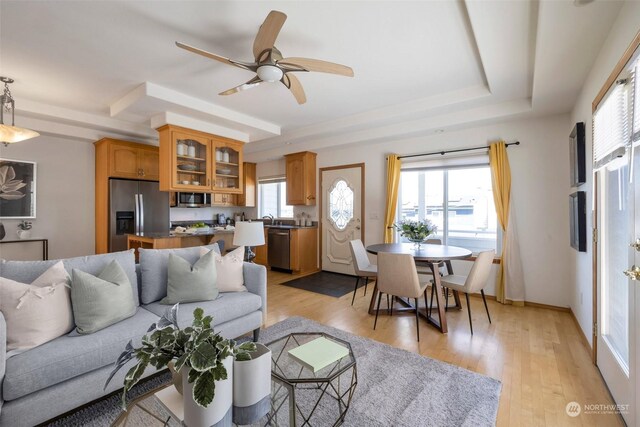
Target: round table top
427 252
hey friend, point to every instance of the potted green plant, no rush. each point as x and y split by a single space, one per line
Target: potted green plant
416 231
24 229
203 357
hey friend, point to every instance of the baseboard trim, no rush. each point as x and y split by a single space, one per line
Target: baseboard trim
525 303
583 337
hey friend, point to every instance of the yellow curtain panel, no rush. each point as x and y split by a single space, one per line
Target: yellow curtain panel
393 183
501 183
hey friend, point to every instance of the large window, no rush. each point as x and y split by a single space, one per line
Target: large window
272 199
458 200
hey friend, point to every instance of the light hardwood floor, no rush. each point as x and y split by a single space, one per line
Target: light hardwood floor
537 353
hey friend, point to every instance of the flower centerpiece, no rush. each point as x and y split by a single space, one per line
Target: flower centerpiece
197 350
415 231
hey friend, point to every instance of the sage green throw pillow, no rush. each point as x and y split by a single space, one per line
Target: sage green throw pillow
101 301
187 283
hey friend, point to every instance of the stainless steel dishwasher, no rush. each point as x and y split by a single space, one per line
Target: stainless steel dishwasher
278 251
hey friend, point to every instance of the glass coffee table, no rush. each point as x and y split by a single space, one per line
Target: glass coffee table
313 398
299 396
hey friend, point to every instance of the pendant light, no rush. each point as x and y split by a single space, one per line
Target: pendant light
11 133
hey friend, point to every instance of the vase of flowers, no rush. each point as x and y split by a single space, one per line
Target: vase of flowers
416 231
24 229
202 357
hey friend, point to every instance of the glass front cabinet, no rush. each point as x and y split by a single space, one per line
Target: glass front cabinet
195 161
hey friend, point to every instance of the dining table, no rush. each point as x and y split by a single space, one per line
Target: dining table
433 255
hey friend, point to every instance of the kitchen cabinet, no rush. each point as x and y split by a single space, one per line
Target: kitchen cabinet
118 159
249 186
196 161
219 199
131 160
301 178
303 250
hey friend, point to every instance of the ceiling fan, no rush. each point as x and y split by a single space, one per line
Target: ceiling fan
269 64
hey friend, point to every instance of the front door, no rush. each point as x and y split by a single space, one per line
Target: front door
340 216
619 225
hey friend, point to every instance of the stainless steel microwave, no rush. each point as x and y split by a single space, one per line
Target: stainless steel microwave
193 200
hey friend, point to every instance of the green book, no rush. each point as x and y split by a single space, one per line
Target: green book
319 353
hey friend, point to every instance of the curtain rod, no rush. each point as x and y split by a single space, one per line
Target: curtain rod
442 153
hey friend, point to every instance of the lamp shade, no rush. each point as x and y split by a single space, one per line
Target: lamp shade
11 134
249 234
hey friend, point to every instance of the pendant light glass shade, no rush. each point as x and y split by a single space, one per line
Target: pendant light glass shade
12 134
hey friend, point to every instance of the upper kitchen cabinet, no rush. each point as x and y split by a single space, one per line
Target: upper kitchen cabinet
301 178
126 159
249 186
199 162
228 165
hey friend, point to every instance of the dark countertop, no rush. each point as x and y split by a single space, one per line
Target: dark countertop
170 234
289 227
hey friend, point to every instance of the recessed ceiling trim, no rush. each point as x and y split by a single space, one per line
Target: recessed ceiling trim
191 123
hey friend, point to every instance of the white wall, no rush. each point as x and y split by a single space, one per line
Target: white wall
64 193
540 173
621 35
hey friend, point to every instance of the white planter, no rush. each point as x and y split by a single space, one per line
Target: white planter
252 386
218 413
23 234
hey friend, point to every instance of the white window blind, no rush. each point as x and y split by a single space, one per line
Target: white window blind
636 102
611 126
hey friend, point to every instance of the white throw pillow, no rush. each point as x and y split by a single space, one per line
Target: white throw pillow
39 312
229 268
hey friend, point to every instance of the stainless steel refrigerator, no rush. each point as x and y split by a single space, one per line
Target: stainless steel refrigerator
135 207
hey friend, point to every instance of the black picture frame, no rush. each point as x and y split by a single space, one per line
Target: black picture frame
578 220
17 189
577 155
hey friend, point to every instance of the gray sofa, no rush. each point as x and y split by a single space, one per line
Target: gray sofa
56 377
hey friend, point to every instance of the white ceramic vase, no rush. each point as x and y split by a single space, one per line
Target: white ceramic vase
24 234
218 413
252 387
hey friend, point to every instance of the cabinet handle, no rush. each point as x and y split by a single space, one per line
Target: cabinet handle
141 172
311 197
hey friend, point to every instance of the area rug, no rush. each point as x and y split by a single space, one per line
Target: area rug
326 283
395 388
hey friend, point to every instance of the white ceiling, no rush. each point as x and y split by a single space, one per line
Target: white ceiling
91 69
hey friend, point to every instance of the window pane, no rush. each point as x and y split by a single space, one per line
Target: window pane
341 204
269 199
421 197
286 211
472 220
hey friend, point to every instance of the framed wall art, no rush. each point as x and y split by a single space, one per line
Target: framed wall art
17 189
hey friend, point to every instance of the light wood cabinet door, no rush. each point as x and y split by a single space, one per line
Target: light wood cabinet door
249 186
123 161
219 199
301 178
228 166
149 164
261 251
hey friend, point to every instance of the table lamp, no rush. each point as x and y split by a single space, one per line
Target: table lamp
249 234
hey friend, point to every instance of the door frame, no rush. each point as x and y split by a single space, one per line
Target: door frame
362 206
620 65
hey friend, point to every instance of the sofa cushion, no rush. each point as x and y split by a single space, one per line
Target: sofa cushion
70 356
153 269
191 283
38 312
228 306
229 270
99 302
28 271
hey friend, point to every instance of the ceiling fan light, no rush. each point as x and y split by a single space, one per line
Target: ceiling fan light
269 73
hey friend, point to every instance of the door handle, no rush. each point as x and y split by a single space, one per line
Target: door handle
136 215
633 273
141 213
357 227
636 245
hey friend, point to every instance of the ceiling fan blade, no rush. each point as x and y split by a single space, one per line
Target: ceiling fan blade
248 85
239 64
308 64
268 32
293 84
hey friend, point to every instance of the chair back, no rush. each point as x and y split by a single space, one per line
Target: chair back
479 274
359 256
433 241
397 275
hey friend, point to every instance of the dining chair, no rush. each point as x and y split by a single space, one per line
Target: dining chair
474 282
398 277
425 267
361 264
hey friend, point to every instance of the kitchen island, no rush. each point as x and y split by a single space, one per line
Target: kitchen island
171 240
